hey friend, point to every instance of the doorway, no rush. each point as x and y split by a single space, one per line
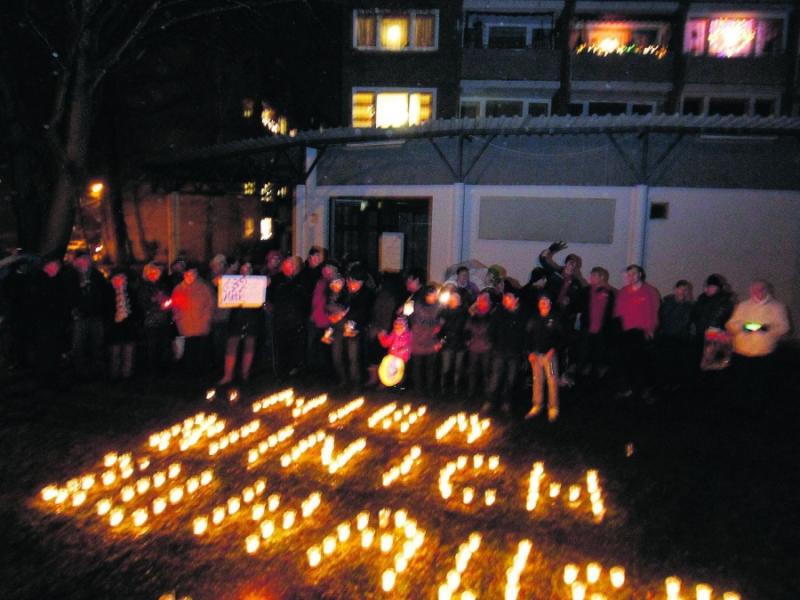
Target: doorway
357 224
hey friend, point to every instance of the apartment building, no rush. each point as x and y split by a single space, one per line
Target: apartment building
409 62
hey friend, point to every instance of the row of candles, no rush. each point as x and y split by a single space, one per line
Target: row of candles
232 506
404 468
345 411
460 464
379 415
301 447
453 577
536 480
265 445
403 418
473 426
302 407
512 573
234 437
189 432
140 516
284 397
267 527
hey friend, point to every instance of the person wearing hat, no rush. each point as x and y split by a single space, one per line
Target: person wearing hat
710 312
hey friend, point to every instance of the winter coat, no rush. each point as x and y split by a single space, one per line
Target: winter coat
507 332
425 324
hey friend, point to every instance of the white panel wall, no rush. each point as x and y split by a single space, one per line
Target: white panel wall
741 234
519 257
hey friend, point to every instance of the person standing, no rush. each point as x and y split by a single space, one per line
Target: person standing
709 314
153 302
122 329
425 326
637 309
245 325
193 307
289 314
597 324
51 306
544 335
756 325
453 350
479 346
673 336
507 335
93 308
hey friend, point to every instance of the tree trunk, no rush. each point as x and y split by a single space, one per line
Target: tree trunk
72 165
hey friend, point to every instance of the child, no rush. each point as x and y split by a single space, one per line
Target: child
544 333
398 341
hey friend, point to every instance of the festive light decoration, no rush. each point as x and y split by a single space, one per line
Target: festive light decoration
608 46
731 37
302 408
404 468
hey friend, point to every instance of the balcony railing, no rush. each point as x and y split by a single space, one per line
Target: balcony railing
514 64
622 67
756 70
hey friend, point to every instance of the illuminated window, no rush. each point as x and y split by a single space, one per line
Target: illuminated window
265 227
249 227
732 36
391 108
249 188
621 37
395 31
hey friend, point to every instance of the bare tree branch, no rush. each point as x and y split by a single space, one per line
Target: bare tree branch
54 53
114 56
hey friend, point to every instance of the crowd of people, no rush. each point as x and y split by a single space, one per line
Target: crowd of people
477 340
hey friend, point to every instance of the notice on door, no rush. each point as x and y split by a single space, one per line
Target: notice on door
245 291
390 251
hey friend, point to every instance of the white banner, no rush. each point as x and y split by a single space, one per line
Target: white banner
245 291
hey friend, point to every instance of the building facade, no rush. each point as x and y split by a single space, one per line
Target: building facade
408 62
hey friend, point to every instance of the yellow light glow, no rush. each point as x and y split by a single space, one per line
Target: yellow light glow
159 504
116 516
593 571
103 506
392 110
608 45
672 586
388 579
731 37
140 517
617 576
571 572
200 525
314 556
703 591
252 543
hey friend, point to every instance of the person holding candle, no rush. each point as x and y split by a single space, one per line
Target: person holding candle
757 324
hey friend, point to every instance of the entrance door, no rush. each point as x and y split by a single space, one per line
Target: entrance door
357 223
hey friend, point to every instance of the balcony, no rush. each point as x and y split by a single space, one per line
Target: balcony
621 67
512 64
756 70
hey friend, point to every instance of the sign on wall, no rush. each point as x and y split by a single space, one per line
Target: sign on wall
242 291
390 252
579 220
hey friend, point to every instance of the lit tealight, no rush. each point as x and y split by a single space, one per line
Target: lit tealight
192 484
217 515
110 459
248 494
703 591
200 525
477 461
617 576
108 478
49 493
574 493
468 595
400 517
115 516
362 520
174 470
555 490
140 517
578 590
289 518
387 540
176 494
257 511
489 497
367 537
343 532
444 592
571 572
234 504
142 485
453 580
672 586
731 596
251 543
127 493
474 541
388 579
159 504
103 506
273 502
329 545
314 556
593 571
468 495
267 529
87 482
159 478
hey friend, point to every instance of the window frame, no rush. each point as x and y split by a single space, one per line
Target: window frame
628 105
526 102
754 16
410 14
705 99
392 90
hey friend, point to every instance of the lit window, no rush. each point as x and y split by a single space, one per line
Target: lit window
249 188
249 227
267 192
733 36
395 31
266 228
622 37
391 109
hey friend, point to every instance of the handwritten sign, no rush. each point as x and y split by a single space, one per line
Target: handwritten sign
390 252
245 291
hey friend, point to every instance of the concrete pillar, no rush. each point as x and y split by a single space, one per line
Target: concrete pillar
458 222
637 225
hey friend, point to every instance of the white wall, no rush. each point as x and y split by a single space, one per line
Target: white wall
519 257
741 234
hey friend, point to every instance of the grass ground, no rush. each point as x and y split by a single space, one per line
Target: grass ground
693 486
